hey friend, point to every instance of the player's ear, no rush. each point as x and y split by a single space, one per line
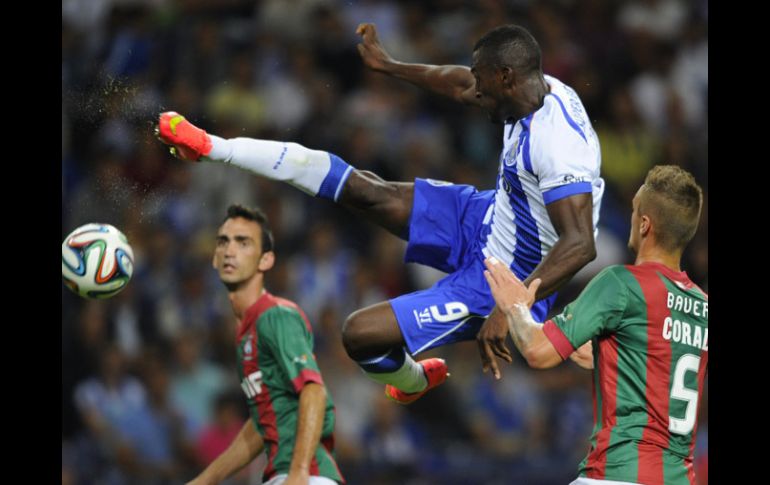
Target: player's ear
645 226
266 261
506 75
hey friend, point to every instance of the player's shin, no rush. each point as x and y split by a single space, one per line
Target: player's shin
396 368
315 172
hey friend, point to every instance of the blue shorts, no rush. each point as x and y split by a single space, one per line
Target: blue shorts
444 234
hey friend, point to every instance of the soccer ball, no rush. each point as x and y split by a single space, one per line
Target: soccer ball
96 261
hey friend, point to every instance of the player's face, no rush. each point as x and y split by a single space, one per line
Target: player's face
633 238
238 251
489 89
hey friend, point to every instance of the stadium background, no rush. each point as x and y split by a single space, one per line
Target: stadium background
289 70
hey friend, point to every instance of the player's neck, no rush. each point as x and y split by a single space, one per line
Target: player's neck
654 254
536 89
243 297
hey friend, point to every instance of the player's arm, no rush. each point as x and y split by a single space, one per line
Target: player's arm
287 335
244 448
514 300
572 217
584 356
454 82
597 311
312 404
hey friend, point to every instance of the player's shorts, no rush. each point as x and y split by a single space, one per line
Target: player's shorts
314 480
593 481
444 234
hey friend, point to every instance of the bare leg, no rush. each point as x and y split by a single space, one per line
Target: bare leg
371 331
387 204
371 336
319 173
373 339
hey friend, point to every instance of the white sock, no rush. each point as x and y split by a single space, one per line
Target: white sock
315 172
408 378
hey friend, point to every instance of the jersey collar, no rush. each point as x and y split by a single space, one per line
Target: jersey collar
677 276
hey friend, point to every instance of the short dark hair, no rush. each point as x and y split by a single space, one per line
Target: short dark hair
256 215
673 199
512 46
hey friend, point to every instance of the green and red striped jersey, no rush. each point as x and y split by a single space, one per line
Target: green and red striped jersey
649 328
275 361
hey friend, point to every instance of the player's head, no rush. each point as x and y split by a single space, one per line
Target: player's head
505 60
244 248
666 209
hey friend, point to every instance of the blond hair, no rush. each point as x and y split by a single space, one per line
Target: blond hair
672 199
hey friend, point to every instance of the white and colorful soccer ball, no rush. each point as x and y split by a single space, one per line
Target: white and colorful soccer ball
96 261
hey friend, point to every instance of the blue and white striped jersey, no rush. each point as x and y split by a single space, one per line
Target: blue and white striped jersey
551 154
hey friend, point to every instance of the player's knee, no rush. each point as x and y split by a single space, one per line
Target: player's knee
354 335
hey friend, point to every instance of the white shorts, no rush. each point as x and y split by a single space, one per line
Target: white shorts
314 480
593 481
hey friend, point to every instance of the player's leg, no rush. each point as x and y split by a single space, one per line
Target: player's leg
443 222
372 331
387 204
372 338
316 172
443 219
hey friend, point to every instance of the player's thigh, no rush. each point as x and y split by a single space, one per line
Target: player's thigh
445 223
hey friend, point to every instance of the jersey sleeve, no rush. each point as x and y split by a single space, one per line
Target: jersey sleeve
563 153
596 311
283 329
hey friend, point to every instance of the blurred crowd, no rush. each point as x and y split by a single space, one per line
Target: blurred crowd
149 391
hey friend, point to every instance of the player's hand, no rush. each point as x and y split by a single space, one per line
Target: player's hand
491 340
507 289
584 356
371 50
202 479
297 478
